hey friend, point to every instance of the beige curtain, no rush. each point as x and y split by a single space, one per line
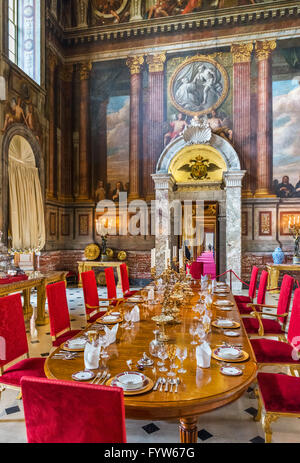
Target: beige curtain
26 202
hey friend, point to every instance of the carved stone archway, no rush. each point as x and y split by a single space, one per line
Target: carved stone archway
228 196
12 131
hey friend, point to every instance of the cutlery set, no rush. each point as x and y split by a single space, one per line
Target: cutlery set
162 384
101 378
63 355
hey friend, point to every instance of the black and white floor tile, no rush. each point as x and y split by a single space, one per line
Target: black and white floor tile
233 423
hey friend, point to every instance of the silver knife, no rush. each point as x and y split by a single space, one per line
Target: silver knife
157 384
106 378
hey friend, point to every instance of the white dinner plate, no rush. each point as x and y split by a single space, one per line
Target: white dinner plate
231 371
232 333
77 342
83 375
224 323
225 309
224 302
228 353
109 318
131 380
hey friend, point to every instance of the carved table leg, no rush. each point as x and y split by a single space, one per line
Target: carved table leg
273 279
188 430
42 319
27 306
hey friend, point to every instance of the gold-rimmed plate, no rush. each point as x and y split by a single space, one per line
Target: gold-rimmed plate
148 386
109 320
234 326
245 356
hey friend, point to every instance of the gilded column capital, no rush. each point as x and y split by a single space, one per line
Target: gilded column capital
135 64
263 49
156 62
66 73
85 70
241 52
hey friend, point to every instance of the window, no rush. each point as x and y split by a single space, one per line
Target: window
24 36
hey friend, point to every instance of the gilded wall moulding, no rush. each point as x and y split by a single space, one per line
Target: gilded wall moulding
135 64
198 86
85 70
263 49
156 62
109 10
241 52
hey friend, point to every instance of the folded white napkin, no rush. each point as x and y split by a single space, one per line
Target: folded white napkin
203 355
151 294
92 355
135 314
111 334
208 300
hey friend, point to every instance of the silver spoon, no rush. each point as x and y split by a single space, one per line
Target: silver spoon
177 384
162 382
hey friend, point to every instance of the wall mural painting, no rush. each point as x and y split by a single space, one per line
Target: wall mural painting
19 112
163 8
286 122
118 120
106 11
199 86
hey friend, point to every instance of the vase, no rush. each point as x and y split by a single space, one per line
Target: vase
278 256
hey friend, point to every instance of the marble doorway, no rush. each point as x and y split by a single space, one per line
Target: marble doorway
224 190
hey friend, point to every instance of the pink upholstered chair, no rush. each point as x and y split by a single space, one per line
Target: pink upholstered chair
60 327
125 282
265 326
91 298
271 352
15 350
111 287
245 308
279 395
252 288
69 412
196 270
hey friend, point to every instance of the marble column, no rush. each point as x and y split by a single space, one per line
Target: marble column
164 185
233 185
82 7
136 10
156 118
263 51
84 177
66 76
135 64
241 53
52 168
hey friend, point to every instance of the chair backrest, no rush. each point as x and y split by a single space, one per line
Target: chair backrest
285 296
253 283
110 283
124 279
294 326
58 308
197 270
12 329
68 412
90 291
261 294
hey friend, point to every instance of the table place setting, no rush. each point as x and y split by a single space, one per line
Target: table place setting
75 344
224 302
162 385
232 334
225 323
110 319
65 355
230 354
132 382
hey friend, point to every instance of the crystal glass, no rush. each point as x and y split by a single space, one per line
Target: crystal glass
193 332
181 353
127 317
104 342
155 345
201 333
172 355
163 355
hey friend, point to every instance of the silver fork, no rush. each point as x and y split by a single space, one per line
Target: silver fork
104 373
96 377
106 378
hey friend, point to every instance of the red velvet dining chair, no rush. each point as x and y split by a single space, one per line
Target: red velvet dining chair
91 297
279 396
14 355
125 282
196 270
252 289
271 352
60 327
267 327
245 308
111 287
69 412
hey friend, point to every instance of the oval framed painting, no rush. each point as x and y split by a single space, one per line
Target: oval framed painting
198 86
103 8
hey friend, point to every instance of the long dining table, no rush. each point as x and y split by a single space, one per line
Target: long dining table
200 390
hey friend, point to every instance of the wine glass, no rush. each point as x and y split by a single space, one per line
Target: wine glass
104 342
172 355
127 317
193 332
163 355
201 333
181 353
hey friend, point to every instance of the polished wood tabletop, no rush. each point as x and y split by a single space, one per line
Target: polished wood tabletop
200 390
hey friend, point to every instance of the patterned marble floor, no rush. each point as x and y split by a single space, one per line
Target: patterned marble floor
231 424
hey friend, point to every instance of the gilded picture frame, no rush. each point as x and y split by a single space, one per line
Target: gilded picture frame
198 86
